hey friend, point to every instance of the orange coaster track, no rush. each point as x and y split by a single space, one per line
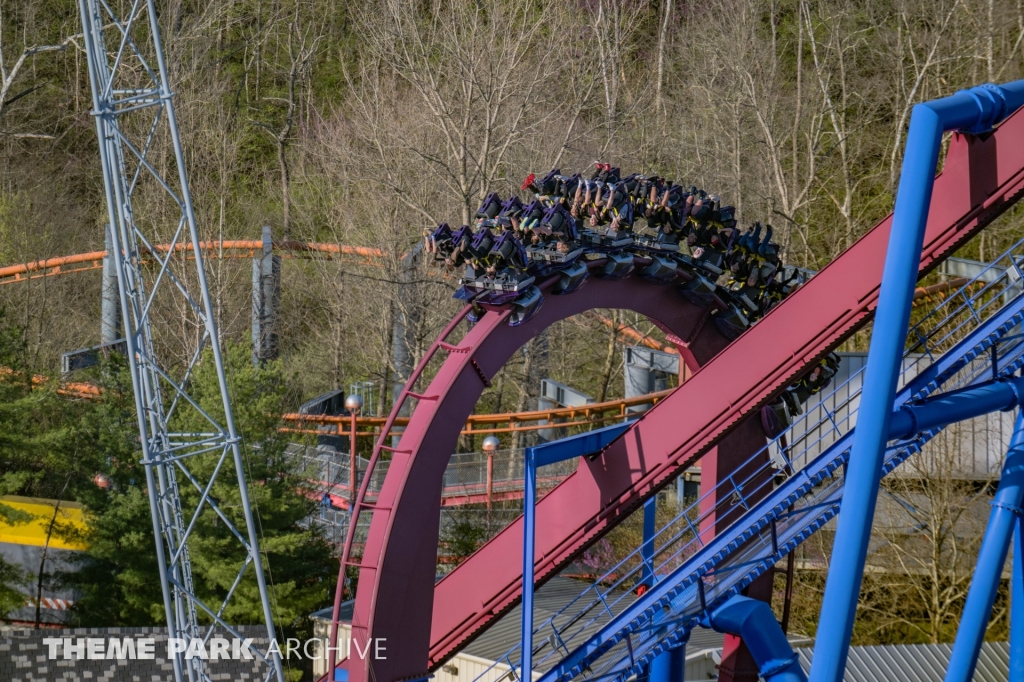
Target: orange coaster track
93 260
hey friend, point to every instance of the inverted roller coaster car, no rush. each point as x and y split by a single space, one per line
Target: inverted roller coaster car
744 301
618 265
709 259
661 270
775 418
504 282
699 285
524 307
605 238
731 321
548 255
474 292
571 279
657 244
700 263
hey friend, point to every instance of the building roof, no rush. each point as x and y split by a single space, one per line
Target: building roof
916 662
344 614
549 599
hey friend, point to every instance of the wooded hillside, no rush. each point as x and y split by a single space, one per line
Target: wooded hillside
364 123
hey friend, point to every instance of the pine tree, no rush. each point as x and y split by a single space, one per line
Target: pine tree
297 560
39 453
117 577
13 578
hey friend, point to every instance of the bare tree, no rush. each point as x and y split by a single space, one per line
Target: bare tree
916 53
475 77
928 532
613 26
666 14
844 102
776 126
9 75
303 43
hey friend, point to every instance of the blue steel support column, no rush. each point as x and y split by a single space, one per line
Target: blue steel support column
1002 522
669 666
647 550
977 109
529 521
657 671
541 455
939 410
1017 608
755 622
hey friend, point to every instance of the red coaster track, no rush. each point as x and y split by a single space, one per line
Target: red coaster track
423 623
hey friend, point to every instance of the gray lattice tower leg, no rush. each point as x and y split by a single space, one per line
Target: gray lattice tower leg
134 111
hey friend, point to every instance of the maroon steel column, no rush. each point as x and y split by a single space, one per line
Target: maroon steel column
732 457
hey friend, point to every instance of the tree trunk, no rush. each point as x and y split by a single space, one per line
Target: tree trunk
46 548
524 389
286 201
609 358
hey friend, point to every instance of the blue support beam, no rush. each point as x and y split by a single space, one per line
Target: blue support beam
955 406
754 621
1017 608
1002 523
669 666
975 110
647 550
529 527
581 445
584 444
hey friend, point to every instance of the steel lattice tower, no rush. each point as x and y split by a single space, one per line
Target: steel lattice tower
144 178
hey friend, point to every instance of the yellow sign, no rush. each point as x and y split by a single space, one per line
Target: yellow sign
65 530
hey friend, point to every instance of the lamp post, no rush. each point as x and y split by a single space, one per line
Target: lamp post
353 404
490 446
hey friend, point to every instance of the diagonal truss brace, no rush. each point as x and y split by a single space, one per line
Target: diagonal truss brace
138 134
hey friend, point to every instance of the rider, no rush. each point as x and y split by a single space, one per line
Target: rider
811 383
618 210
558 223
545 189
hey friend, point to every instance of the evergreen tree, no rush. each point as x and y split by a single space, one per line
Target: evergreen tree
117 576
297 561
39 451
13 578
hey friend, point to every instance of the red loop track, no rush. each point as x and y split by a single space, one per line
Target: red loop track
424 624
